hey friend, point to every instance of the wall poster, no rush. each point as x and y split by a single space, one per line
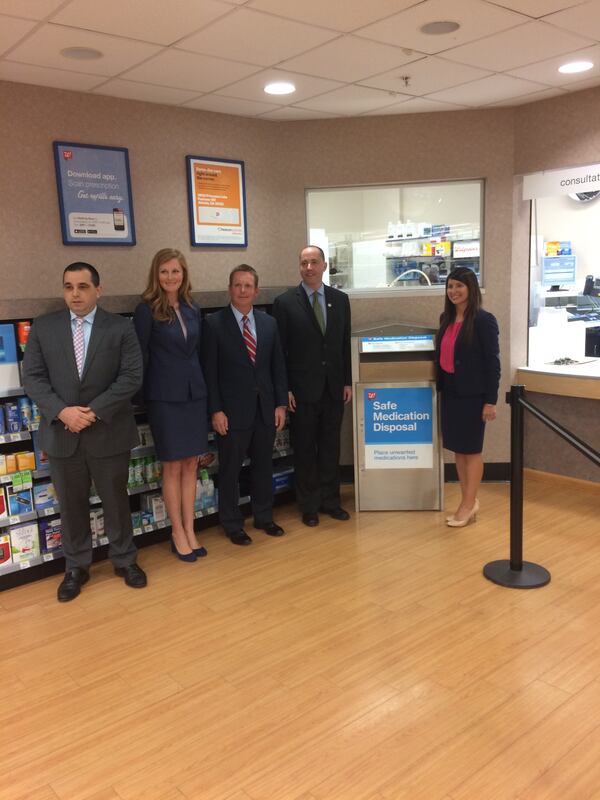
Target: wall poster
94 193
217 202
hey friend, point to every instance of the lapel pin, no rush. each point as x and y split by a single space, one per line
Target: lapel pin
328 305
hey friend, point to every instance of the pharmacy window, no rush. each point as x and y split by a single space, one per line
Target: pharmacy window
564 293
401 237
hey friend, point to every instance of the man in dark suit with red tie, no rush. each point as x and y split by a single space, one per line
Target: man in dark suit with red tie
314 325
244 371
82 366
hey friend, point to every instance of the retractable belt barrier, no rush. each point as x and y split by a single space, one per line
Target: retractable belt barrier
515 572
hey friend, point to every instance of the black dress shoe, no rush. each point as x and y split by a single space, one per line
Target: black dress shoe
336 513
310 519
72 583
270 528
240 537
133 575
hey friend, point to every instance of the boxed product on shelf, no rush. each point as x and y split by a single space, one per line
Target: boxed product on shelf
5 554
205 492
3 504
9 366
25 413
282 481
24 542
41 457
44 496
23 328
11 463
97 524
25 460
154 504
145 434
136 519
19 500
12 416
50 533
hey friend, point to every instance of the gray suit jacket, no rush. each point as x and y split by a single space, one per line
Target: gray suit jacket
112 375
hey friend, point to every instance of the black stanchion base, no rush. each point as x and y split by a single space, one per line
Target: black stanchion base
530 577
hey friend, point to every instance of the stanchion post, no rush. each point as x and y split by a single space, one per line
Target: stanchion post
516 573
516 476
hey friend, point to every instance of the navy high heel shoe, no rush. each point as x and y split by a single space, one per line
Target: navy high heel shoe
183 556
200 552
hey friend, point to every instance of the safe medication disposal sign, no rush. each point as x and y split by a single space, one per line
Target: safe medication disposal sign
398 428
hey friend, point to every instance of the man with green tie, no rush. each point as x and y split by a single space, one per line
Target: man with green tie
314 325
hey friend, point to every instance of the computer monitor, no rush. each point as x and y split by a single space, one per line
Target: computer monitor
559 272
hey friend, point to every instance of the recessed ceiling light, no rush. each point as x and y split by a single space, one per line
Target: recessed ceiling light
575 66
439 28
81 53
280 87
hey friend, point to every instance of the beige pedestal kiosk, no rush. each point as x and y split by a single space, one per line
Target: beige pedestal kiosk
397 448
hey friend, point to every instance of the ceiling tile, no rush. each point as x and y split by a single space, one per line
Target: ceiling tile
12 31
582 19
160 22
348 58
231 105
42 76
487 90
547 71
517 47
43 47
535 8
340 15
290 113
415 105
189 71
30 9
253 88
529 98
272 39
146 92
350 100
476 18
427 75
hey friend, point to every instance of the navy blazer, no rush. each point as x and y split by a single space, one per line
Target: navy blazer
236 386
476 363
315 360
172 369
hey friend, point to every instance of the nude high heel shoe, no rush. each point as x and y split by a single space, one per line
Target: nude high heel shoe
461 523
476 508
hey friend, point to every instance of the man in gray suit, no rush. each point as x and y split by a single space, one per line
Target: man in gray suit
82 366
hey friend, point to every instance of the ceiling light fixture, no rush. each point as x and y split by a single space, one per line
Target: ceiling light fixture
439 28
280 87
575 66
81 53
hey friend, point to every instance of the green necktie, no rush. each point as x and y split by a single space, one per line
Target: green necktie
318 311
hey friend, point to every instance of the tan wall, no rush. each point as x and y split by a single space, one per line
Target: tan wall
282 160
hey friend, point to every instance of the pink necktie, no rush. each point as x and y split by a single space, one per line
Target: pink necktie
249 339
79 344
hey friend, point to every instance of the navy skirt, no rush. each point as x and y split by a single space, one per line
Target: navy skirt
462 426
180 430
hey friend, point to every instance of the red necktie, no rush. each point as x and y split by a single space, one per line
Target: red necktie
249 339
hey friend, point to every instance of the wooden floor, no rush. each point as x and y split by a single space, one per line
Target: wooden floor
358 660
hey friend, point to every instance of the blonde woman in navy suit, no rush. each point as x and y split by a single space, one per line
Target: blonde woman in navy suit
468 362
168 326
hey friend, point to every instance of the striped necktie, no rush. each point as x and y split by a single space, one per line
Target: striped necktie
249 339
318 311
79 344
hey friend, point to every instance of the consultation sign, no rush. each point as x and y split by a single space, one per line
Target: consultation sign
398 427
